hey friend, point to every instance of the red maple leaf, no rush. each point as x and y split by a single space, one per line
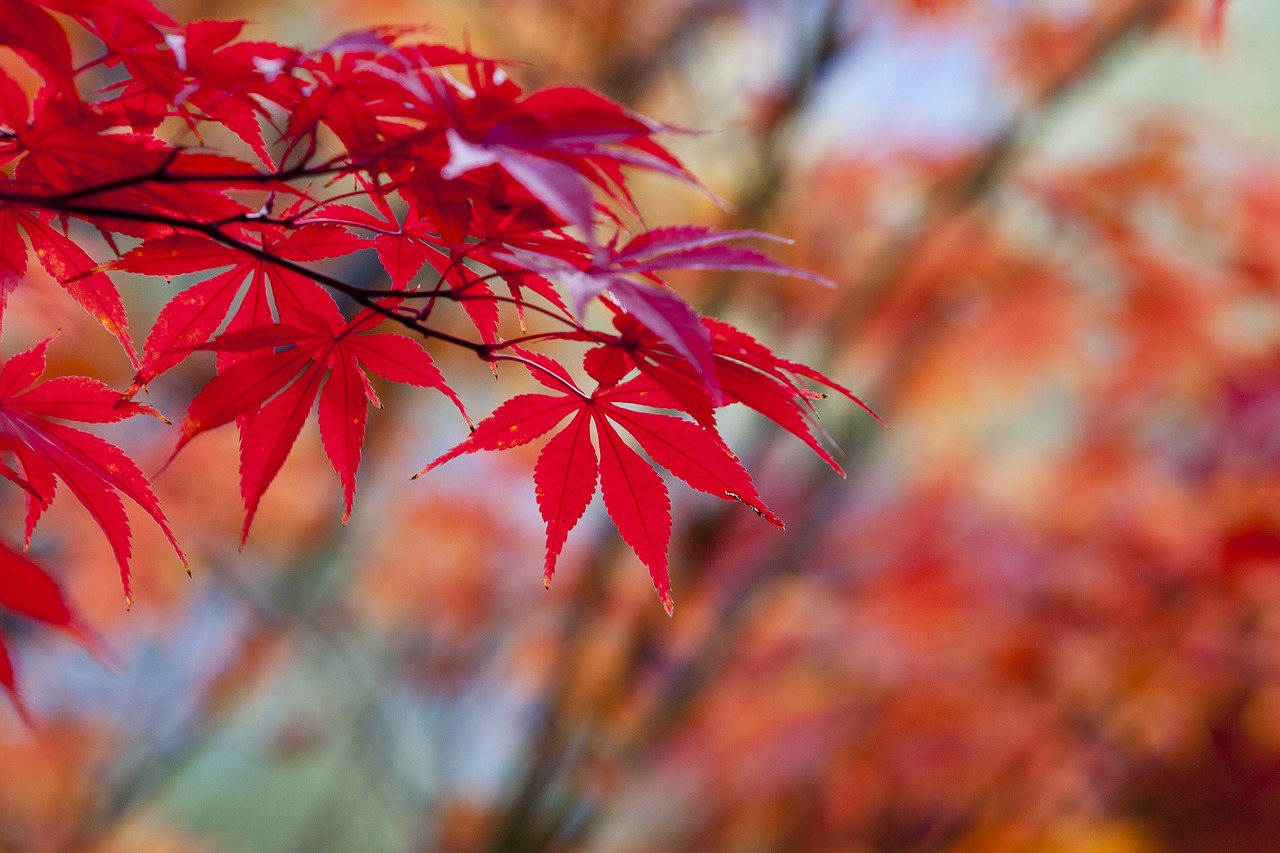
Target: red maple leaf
69 265
38 38
199 76
286 367
193 316
95 471
557 144
746 371
405 245
629 275
570 464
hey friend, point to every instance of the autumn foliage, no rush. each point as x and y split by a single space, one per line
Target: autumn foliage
1039 613
474 195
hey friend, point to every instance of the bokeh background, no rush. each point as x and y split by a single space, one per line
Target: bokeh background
1042 613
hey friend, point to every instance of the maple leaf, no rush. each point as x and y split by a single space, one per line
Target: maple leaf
193 316
629 276
564 190
359 89
747 372
70 266
286 367
27 589
106 15
70 145
95 471
556 143
569 465
196 75
405 247
38 37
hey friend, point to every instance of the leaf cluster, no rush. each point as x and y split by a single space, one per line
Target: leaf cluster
505 211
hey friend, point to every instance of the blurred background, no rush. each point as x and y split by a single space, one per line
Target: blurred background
1042 613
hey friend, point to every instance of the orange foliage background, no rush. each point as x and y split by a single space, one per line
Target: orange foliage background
1041 614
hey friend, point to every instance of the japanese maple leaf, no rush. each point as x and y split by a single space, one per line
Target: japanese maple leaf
747 372
105 15
287 368
570 464
628 274
556 143
70 145
38 37
199 75
69 265
405 247
196 314
27 589
564 190
47 452
353 95
29 29
372 90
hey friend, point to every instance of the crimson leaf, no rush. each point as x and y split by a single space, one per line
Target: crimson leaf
569 464
272 390
95 471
